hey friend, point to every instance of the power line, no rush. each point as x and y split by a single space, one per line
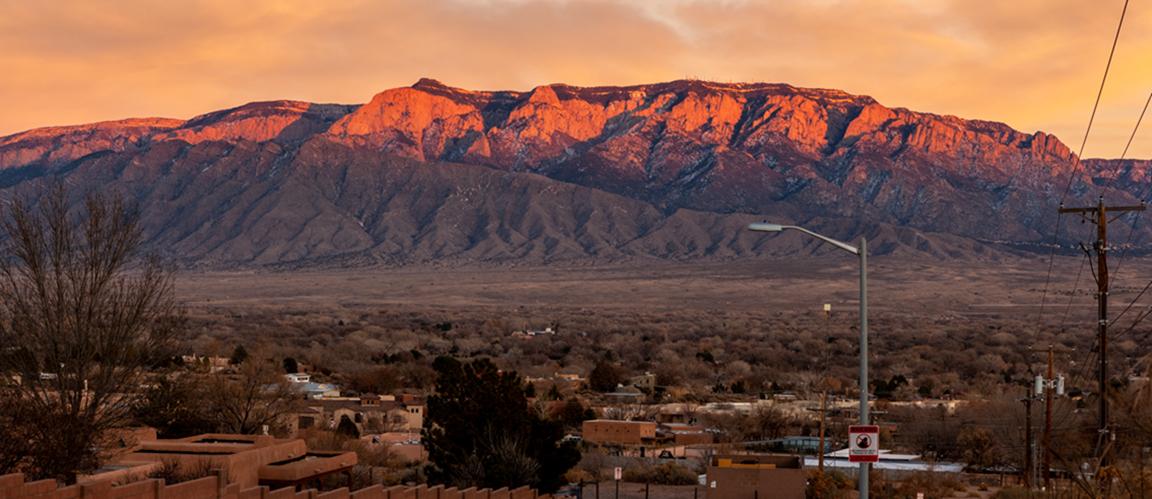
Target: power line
1101 254
1096 105
1135 219
1076 163
1134 300
1075 288
1138 120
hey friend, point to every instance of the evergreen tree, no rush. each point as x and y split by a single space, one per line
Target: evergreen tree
239 355
573 414
604 377
481 432
347 428
291 366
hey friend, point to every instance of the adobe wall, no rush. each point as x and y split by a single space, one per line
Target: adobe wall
14 487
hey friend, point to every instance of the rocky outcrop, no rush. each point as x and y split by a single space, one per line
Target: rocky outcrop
55 145
280 121
666 170
1131 175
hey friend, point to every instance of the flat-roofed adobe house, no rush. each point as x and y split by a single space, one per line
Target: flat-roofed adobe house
369 414
612 432
756 475
247 460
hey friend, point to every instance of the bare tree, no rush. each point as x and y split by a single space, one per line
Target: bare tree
258 396
82 318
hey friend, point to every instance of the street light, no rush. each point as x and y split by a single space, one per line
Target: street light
862 252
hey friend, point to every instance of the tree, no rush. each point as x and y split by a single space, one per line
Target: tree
15 437
82 318
239 355
604 377
480 431
573 413
291 366
347 428
175 407
979 447
258 396
382 379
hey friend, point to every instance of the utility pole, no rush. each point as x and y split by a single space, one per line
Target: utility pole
1099 215
1029 445
1048 424
823 412
824 393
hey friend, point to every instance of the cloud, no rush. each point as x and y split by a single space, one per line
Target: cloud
1034 64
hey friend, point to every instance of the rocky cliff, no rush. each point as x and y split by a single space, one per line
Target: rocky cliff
667 170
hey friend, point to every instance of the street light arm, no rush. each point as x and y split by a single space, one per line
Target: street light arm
839 244
768 227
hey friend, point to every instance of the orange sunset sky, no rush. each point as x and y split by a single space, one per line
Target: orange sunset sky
1034 64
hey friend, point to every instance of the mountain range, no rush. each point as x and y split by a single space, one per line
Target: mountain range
436 174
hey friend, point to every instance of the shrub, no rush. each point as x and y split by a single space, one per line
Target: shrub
662 474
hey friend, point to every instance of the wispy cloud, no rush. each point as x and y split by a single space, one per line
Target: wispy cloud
1032 63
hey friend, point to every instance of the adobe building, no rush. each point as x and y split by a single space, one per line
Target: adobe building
756 476
371 414
246 460
687 434
214 487
611 432
233 467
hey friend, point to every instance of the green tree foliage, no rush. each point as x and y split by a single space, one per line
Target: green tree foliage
480 431
604 377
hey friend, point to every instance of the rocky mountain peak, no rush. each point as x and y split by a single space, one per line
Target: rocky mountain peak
282 121
676 159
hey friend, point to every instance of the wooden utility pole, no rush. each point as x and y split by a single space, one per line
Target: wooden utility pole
1048 391
824 392
1028 444
1099 215
823 412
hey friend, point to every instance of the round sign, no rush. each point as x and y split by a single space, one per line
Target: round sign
863 441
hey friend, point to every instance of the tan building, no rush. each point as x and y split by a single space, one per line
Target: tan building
405 445
214 487
756 476
687 434
611 432
371 414
231 467
247 460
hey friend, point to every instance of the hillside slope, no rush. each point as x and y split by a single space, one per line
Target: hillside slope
432 173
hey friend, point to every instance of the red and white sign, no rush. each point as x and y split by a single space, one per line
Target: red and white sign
618 473
863 443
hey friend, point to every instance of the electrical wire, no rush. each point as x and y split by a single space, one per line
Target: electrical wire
1076 163
1096 105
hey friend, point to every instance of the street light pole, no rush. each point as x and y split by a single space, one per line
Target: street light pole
862 252
864 415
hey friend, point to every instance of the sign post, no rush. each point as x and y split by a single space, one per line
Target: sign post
618 473
863 443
